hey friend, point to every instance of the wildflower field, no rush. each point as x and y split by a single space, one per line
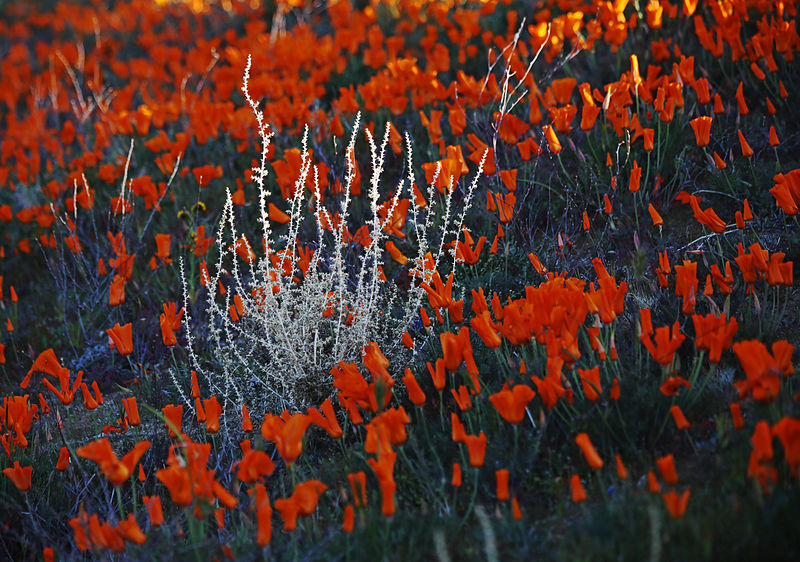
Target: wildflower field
399 280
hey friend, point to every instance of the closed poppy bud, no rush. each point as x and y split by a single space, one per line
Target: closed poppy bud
636 177
782 90
622 472
358 483
747 213
349 518
652 483
656 218
680 419
456 480
736 413
743 110
607 204
247 424
718 107
195 387
502 484
747 152
576 488
408 341
770 108
614 392
154 511
552 139
757 71
719 162
415 393
586 225
588 450
423 314
63 459
739 220
201 413
516 512
773 136
648 135
48 555
666 466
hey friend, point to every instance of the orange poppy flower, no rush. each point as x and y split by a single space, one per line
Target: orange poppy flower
254 465
665 344
456 479
263 515
212 410
672 385
63 459
187 477
502 484
167 334
676 505
88 400
787 430
786 192
302 502
511 403
590 381
117 471
589 452
286 431
66 394
174 418
666 466
163 243
457 348
122 336
326 419
702 129
19 476
358 484
476 446
384 470
686 284
763 369
130 531
386 429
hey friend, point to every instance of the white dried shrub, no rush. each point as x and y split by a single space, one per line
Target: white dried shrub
290 334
